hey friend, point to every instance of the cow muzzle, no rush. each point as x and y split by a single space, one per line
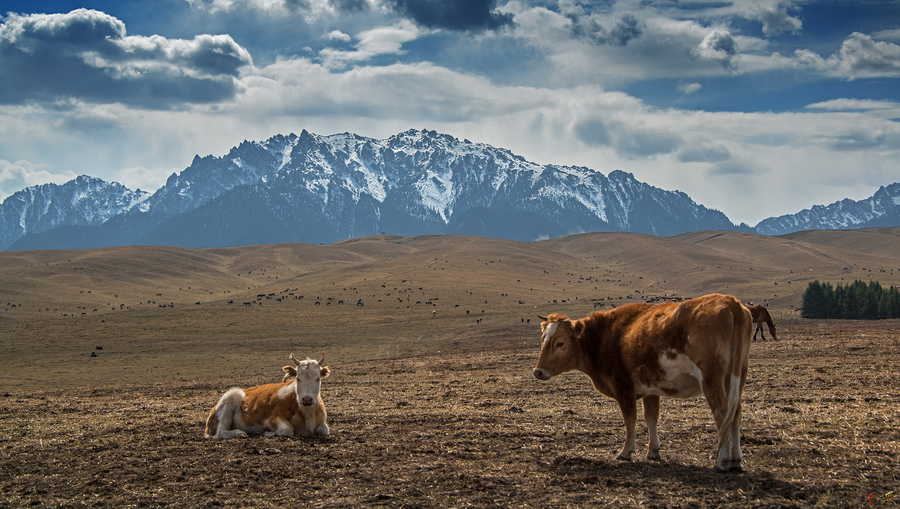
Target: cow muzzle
307 401
541 374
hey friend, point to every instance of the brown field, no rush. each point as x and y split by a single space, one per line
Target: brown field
431 402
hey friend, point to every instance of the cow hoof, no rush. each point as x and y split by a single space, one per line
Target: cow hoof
729 467
653 455
624 457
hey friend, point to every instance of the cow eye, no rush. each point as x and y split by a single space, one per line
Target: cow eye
559 345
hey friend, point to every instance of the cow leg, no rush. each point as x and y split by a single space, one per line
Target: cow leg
628 405
651 417
280 428
736 454
714 391
232 433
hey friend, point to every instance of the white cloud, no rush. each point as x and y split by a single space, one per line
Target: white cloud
337 35
860 56
890 34
86 54
688 88
138 177
372 43
844 104
310 10
15 176
774 17
719 46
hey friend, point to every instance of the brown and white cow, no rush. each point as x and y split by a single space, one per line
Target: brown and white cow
645 351
293 407
761 316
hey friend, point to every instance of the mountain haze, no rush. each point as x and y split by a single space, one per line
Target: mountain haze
322 189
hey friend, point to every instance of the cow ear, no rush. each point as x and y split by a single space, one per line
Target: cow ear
578 328
324 371
289 372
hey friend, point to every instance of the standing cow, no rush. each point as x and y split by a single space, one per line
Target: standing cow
645 351
293 407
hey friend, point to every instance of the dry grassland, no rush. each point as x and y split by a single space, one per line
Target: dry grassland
431 402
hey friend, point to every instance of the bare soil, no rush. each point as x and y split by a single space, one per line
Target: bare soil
470 426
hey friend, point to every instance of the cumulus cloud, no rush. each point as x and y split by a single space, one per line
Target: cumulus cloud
337 35
774 17
457 15
719 46
87 54
15 176
860 56
619 31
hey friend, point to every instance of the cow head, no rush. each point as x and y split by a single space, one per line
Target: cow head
560 349
309 375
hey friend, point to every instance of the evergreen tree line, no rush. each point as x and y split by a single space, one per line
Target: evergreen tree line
856 301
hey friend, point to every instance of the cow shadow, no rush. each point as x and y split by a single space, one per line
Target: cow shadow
613 474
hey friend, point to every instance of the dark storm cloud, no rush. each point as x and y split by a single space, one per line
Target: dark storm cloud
349 5
593 132
459 15
704 154
631 143
622 31
86 55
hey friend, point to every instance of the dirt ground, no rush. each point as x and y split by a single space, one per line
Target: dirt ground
472 427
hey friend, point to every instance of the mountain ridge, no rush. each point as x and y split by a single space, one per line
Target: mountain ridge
323 189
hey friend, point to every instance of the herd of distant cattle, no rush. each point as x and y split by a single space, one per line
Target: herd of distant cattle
640 351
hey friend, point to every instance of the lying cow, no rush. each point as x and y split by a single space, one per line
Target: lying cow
285 409
645 351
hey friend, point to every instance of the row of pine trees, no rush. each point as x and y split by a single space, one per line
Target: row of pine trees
856 301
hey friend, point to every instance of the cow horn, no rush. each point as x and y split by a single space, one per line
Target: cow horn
322 360
297 362
543 318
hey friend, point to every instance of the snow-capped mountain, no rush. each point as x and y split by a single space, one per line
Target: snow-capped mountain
842 215
84 201
321 189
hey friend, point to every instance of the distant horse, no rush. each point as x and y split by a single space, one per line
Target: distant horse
761 315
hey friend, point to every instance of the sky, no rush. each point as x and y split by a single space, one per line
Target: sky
755 108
